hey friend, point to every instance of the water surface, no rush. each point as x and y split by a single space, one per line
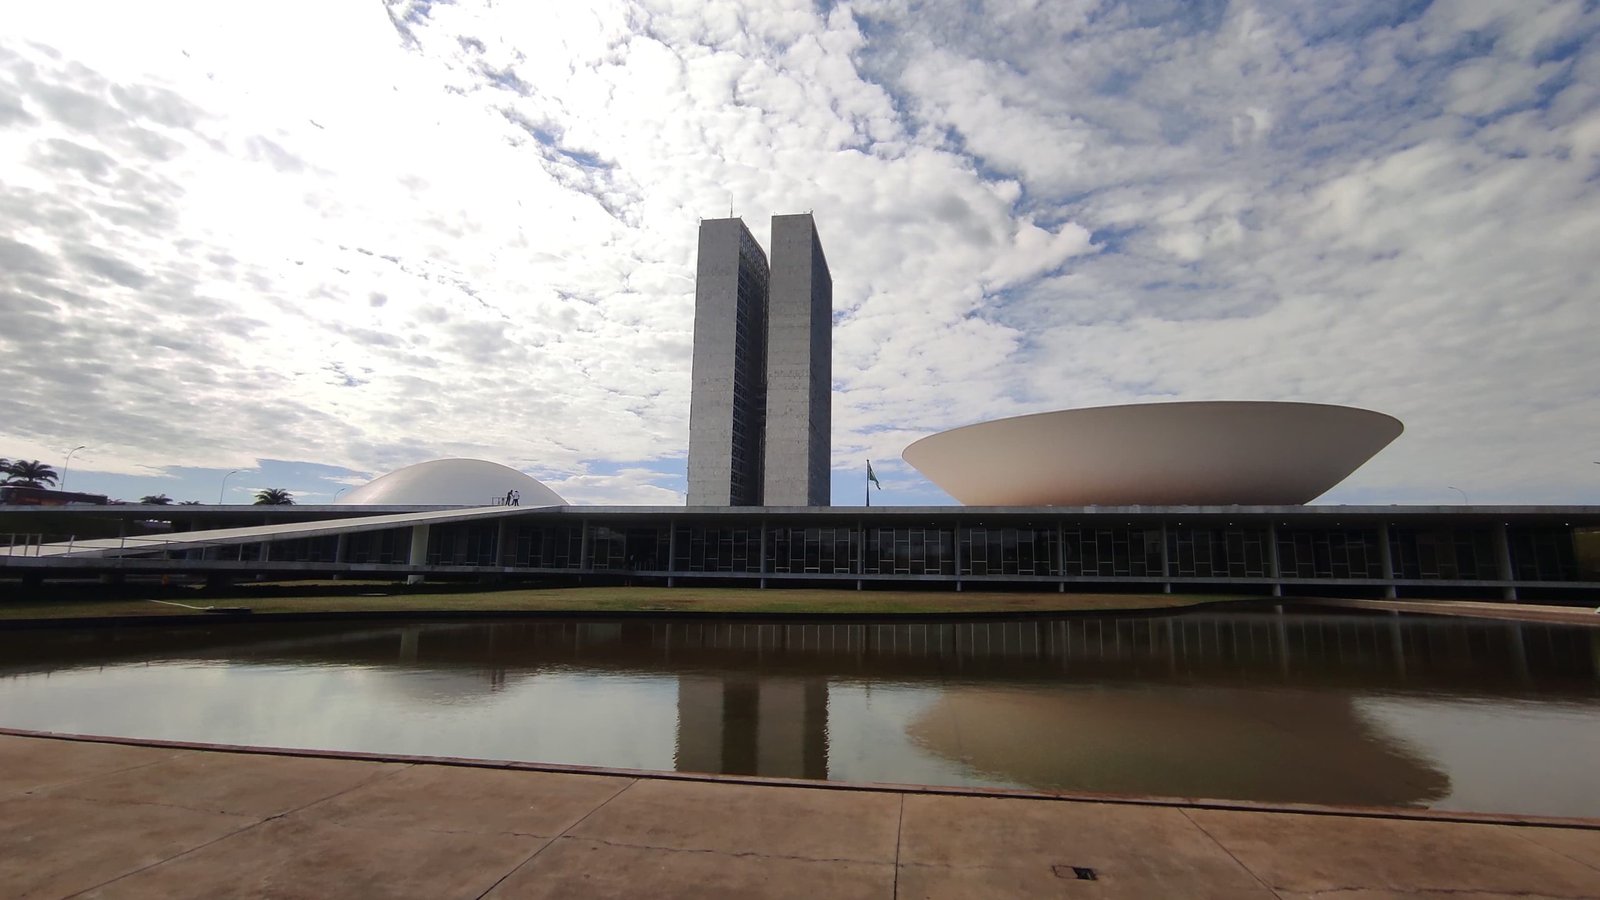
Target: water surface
1348 709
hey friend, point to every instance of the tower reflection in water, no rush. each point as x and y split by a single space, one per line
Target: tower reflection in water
1265 707
741 725
1369 709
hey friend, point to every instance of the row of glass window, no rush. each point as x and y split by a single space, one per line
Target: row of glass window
1536 554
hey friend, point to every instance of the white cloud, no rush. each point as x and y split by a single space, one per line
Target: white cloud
469 229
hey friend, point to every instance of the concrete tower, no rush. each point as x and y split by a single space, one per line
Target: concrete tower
728 397
799 367
760 407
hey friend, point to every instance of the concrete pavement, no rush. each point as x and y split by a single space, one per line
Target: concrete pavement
115 820
1472 609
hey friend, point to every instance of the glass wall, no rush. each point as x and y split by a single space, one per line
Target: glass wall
1226 552
820 550
914 550
1452 553
1009 551
1537 553
391 545
312 549
463 544
629 549
1329 553
718 548
544 546
1543 554
1131 550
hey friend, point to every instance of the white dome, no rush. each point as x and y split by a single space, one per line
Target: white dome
1192 453
451 482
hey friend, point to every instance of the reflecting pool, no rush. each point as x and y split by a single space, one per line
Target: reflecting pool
1348 709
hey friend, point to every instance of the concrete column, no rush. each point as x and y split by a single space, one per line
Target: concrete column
583 545
341 548
500 531
861 550
419 551
1502 552
763 567
1166 563
955 531
1061 555
672 551
1272 560
1386 556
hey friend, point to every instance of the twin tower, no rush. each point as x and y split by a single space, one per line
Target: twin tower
760 411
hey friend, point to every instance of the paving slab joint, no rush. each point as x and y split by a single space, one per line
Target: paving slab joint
552 841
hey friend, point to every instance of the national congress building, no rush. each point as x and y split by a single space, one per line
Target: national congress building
760 413
1193 496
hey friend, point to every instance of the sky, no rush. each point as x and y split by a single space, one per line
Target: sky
319 241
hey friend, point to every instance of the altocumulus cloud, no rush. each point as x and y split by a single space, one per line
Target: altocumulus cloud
364 236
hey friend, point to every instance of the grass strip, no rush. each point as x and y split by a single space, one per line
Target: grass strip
303 597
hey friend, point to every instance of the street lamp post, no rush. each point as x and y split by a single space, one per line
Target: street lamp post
222 490
67 464
1464 500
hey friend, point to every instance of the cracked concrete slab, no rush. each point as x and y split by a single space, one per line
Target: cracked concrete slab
1579 844
299 858
576 867
807 823
128 821
27 765
465 799
1026 844
240 784
58 846
1318 854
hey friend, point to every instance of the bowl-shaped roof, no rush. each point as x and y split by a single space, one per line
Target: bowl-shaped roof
452 482
1180 454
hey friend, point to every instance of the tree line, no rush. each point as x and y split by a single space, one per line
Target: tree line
31 473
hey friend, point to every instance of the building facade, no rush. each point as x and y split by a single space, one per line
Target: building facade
728 397
1489 552
760 413
799 367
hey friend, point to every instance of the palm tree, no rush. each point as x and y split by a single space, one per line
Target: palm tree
190 503
30 473
274 497
156 499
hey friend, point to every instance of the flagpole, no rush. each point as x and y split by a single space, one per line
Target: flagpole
867 484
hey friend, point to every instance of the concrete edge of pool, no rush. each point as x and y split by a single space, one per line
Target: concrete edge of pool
1504 611
1387 812
97 817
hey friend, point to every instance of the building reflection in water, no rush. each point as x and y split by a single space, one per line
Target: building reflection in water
743 725
1245 705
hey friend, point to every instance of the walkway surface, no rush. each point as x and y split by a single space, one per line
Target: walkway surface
115 820
1476 609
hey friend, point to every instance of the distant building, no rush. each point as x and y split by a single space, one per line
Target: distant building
27 495
759 409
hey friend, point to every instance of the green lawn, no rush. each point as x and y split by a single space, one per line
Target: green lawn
336 596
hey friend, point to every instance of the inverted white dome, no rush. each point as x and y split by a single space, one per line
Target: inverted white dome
1192 453
451 482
